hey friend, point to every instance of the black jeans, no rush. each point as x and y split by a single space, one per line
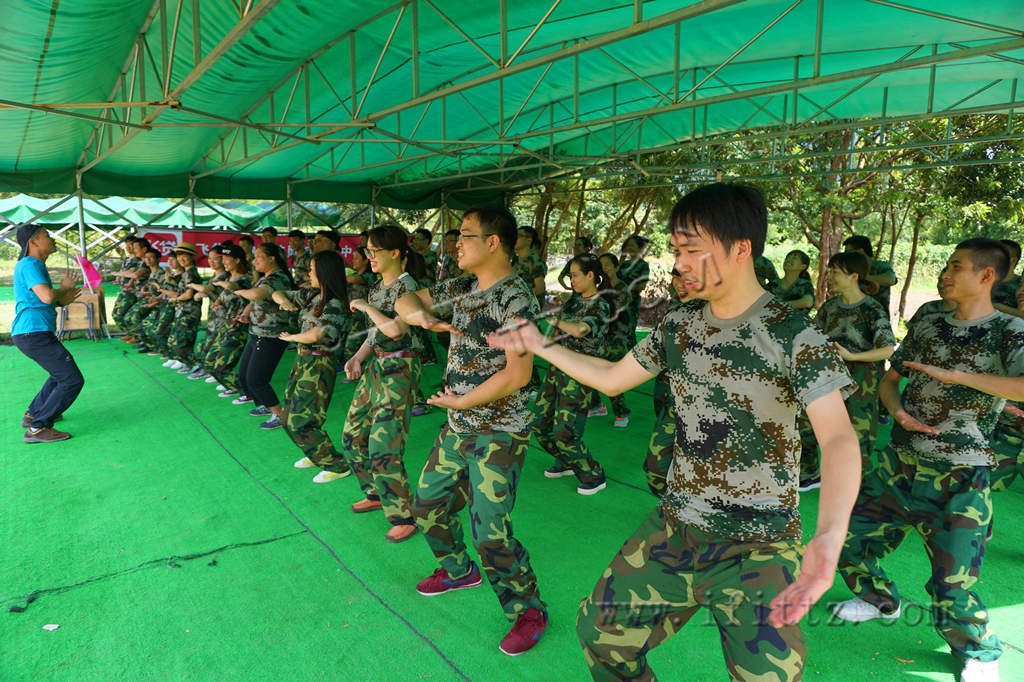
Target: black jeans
65 381
259 360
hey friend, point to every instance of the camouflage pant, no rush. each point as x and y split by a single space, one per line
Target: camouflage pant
661 448
1009 447
213 325
950 508
157 327
225 352
125 300
483 470
375 432
356 334
616 352
309 392
133 318
561 417
181 344
660 579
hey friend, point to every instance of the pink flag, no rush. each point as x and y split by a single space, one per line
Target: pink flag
92 276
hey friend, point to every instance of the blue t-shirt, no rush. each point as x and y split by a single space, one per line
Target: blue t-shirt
31 314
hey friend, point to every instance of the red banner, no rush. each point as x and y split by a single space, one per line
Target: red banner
164 241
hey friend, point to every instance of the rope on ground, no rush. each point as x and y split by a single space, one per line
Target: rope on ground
172 561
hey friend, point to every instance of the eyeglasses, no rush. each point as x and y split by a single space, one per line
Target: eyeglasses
463 237
374 252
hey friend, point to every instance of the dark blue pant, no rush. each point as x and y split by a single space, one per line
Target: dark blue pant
65 382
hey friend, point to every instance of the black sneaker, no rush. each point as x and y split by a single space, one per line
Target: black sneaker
591 487
809 484
557 471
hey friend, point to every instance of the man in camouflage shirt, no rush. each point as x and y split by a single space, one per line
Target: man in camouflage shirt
726 535
301 259
487 434
934 475
881 273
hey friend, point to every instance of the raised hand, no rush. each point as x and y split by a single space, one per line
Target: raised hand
816 575
447 399
909 423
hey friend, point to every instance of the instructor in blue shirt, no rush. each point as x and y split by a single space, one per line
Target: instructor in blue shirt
34 333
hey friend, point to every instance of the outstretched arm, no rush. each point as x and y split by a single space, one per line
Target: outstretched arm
611 378
1011 388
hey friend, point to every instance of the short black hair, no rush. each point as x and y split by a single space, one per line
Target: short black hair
271 230
861 243
497 220
452 233
588 243
246 238
297 233
423 232
142 240
154 252
727 212
332 235
1014 248
987 253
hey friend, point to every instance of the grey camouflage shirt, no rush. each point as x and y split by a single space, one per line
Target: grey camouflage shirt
993 344
470 360
383 299
859 327
266 317
738 385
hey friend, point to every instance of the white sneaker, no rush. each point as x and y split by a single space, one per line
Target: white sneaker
227 393
328 476
212 380
221 387
168 363
241 400
304 463
857 611
177 364
980 671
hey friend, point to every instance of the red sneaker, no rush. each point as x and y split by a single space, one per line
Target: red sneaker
439 582
525 634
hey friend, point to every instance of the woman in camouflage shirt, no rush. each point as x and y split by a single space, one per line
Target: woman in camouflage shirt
561 408
324 320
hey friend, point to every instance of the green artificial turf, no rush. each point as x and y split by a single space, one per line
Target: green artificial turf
172 539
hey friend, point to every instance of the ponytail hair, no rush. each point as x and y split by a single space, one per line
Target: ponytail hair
855 263
274 251
805 259
415 266
330 273
589 263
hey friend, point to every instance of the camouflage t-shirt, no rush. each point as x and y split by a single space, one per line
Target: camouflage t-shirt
132 264
993 344
530 268
794 292
738 385
431 261
765 272
232 303
859 327
635 274
301 265
880 268
470 360
595 312
383 299
361 287
621 324
334 320
194 305
1006 292
215 314
266 317
927 311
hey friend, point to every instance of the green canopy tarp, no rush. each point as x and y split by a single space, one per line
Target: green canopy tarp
415 102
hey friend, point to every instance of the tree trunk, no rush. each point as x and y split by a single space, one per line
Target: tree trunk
579 208
918 219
